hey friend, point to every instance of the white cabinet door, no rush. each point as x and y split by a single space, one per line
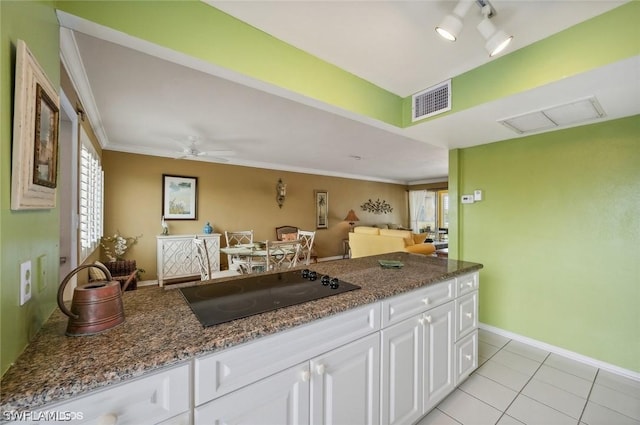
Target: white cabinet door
466 356
148 400
345 384
176 256
281 399
439 345
402 374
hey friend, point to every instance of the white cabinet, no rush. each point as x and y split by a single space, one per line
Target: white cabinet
162 396
345 384
466 345
176 257
339 387
439 346
402 372
281 399
417 364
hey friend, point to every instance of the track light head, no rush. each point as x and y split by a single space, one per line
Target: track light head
451 25
496 40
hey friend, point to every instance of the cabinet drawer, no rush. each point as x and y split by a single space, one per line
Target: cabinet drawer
466 356
406 305
466 284
148 400
466 314
221 373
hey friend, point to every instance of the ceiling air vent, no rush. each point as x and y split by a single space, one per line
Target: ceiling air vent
432 101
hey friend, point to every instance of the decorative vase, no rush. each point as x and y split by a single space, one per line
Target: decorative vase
207 229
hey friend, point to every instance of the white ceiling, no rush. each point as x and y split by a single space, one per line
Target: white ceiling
145 99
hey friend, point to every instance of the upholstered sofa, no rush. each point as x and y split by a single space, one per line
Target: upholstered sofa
365 241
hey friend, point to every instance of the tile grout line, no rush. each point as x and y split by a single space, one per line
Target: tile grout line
520 392
593 384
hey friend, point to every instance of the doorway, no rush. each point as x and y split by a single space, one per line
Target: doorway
68 188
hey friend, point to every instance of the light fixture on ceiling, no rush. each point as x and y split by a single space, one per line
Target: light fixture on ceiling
451 25
575 112
281 192
495 40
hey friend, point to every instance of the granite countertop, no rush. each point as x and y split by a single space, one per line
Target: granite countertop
160 330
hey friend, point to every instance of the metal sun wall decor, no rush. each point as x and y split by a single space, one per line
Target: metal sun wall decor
377 207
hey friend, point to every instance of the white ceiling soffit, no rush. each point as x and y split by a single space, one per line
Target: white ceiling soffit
579 111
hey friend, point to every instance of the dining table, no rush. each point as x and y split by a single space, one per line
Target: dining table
251 257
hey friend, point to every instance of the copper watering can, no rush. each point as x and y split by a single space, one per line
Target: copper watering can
96 306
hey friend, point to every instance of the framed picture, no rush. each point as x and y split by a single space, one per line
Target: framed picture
322 209
34 168
179 197
45 159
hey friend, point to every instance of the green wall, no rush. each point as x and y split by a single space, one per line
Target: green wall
25 235
557 232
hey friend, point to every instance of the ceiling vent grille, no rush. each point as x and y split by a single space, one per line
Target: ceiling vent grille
432 101
576 112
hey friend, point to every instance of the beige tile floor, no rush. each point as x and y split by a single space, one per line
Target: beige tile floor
519 384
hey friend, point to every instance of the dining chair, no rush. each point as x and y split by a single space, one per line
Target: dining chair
202 256
282 254
306 239
237 238
284 233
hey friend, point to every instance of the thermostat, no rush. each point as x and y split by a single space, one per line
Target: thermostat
467 199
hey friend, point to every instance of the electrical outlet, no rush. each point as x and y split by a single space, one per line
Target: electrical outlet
25 282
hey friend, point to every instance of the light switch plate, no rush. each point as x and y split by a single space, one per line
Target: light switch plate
25 282
467 199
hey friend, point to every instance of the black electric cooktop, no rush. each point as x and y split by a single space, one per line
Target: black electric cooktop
226 301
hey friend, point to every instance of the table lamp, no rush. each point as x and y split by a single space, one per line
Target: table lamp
351 218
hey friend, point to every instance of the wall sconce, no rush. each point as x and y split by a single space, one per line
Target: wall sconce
281 192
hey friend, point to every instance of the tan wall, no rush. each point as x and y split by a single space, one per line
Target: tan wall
234 198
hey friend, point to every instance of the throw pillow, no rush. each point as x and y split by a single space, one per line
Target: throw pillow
419 237
96 273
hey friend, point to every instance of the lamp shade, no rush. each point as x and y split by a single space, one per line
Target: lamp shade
351 217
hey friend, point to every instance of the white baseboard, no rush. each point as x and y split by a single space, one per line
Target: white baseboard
147 282
337 257
562 352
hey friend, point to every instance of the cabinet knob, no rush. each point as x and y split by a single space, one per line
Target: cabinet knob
108 419
425 300
320 369
469 315
427 319
469 284
468 357
306 375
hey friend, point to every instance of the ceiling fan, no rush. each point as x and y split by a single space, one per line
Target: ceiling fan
191 151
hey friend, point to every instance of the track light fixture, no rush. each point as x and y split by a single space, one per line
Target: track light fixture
450 27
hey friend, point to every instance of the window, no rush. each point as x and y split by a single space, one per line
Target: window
429 213
91 198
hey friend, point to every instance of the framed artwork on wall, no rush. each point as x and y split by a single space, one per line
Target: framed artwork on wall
179 197
322 209
34 169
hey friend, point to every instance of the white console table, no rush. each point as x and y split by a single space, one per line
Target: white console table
177 256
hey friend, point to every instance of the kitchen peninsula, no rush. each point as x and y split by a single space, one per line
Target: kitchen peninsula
162 364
